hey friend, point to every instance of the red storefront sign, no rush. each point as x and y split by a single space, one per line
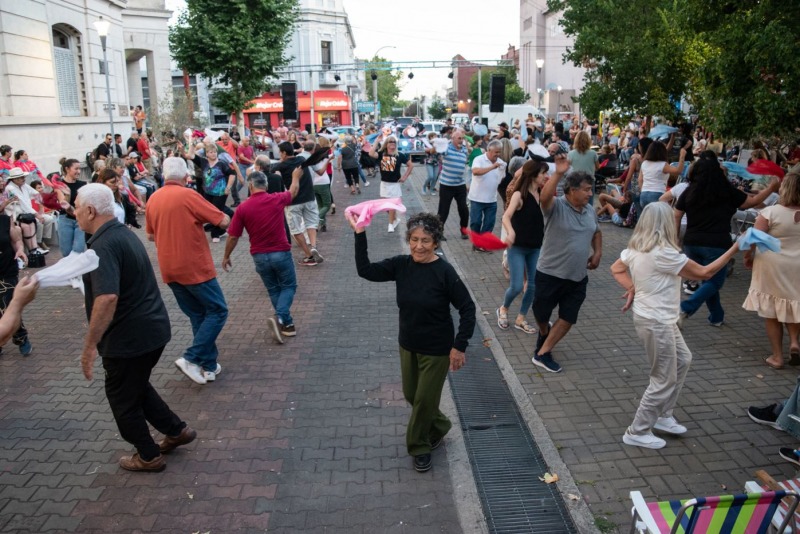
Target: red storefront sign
331 108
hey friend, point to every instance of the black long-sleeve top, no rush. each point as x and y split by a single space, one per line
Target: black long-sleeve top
425 292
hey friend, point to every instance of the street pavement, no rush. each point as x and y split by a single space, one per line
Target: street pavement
310 435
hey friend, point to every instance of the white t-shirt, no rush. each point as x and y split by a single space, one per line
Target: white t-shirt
316 178
658 285
677 191
484 188
654 177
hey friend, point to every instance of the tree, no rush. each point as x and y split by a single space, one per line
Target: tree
437 109
514 93
733 61
239 45
173 116
388 85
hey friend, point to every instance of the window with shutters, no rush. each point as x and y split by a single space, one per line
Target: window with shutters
326 55
68 61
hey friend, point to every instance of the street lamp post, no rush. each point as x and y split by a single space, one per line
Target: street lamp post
102 27
375 83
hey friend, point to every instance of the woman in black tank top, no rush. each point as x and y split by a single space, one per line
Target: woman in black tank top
70 237
524 225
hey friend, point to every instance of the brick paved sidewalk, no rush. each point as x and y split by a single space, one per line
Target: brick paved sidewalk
307 436
588 406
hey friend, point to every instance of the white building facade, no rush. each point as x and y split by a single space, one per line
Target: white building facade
53 99
541 37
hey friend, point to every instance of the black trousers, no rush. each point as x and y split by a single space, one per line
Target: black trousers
135 403
219 203
7 285
446 195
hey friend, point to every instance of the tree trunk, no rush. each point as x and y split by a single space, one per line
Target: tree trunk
240 122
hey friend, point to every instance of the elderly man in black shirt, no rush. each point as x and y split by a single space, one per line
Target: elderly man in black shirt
129 327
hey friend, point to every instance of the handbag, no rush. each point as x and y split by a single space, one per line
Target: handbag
26 218
36 260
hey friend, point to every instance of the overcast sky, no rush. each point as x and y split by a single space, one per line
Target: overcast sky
428 30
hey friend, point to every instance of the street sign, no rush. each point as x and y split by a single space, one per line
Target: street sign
259 122
366 106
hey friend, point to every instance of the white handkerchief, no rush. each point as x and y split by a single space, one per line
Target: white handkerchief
67 270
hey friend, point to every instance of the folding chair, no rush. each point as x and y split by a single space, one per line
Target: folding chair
767 483
750 513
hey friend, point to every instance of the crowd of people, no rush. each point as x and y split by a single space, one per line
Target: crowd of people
673 192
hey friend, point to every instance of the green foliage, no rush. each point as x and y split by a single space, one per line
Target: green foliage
437 110
238 44
733 61
514 93
388 86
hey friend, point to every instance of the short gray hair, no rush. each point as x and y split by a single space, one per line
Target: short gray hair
348 139
515 164
262 162
175 169
258 179
99 196
576 179
494 144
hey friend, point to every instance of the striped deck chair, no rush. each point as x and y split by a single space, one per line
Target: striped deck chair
767 483
749 513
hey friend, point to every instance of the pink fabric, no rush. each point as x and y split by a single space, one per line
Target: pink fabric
367 209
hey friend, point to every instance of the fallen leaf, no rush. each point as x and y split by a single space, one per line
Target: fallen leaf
549 478
759 376
573 497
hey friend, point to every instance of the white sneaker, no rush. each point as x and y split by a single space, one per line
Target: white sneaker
391 228
210 376
191 370
317 256
215 240
669 425
396 224
42 251
366 184
648 441
272 326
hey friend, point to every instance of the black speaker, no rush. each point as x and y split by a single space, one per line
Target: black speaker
497 93
289 94
485 121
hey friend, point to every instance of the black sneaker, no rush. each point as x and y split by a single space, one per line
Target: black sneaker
435 443
764 416
540 339
546 362
317 256
787 453
690 286
287 330
422 462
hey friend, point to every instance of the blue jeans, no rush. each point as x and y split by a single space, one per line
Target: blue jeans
277 272
433 175
646 197
708 292
521 261
70 237
482 216
205 306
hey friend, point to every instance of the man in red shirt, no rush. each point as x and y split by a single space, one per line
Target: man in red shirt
262 216
175 218
143 148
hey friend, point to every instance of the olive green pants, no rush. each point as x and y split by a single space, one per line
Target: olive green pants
423 380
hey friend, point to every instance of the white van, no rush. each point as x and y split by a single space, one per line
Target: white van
460 119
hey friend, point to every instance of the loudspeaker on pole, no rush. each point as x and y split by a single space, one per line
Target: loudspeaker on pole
289 95
497 93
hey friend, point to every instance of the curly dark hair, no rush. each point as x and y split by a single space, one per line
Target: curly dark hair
430 223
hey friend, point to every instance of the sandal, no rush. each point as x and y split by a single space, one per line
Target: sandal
794 356
502 319
525 327
778 367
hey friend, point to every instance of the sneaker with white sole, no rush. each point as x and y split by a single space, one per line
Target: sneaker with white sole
546 362
317 256
648 441
391 228
191 370
790 455
274 331
669 425
765 416
210 376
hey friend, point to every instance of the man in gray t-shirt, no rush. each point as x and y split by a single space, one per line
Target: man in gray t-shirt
572 245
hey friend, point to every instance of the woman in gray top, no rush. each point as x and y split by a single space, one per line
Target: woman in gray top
348 163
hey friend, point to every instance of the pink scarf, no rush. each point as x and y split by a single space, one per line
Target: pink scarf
367 209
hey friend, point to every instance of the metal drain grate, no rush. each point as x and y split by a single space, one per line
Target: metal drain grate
505 460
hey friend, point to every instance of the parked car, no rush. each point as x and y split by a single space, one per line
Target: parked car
413 147
341 131
433 126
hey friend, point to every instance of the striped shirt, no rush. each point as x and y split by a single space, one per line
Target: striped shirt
453 164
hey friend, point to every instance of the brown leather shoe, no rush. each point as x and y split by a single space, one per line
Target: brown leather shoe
135 463
169 443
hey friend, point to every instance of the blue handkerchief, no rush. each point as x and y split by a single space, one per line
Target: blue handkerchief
762 240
